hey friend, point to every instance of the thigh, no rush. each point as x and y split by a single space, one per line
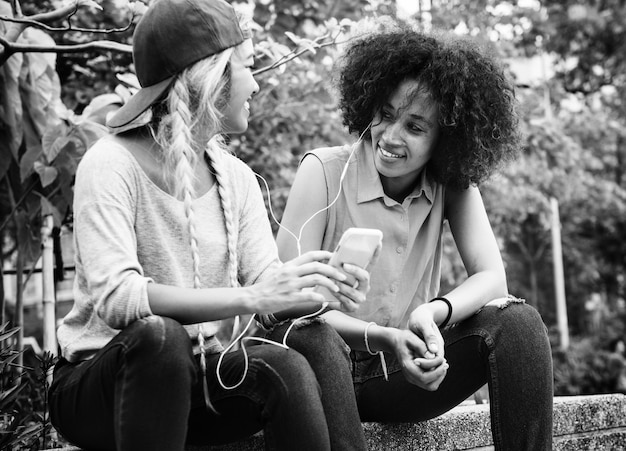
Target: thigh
251 392
397 400
82 398
105 401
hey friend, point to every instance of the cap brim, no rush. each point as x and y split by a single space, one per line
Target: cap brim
138 103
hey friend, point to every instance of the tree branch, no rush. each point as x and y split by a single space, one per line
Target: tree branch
30 22
19 23
11 47
294 54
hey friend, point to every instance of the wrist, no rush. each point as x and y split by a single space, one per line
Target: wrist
442 311
380 338
248 301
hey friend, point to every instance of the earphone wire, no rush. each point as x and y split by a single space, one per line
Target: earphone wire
241 338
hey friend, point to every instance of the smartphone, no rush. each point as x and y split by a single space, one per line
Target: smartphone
357 247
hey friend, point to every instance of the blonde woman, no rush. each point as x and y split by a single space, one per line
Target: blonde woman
171 236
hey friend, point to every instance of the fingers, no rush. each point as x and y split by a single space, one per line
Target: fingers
423 325
376 255
346 303
361 275
433 339
426 373
310 268
311 256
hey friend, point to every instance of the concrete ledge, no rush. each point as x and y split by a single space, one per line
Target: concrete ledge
596 422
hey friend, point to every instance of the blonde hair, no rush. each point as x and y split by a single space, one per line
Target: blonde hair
194 102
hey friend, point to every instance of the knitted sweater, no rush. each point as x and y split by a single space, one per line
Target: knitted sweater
128 233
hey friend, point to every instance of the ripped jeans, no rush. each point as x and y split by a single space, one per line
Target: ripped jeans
143 391
508 348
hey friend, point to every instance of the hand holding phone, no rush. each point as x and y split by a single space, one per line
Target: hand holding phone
357 246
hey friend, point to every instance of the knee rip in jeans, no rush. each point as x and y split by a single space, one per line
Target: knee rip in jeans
504 302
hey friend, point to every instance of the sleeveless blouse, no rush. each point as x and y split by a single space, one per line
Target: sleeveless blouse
407 272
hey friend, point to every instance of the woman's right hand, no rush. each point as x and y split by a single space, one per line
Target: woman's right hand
419 366
292 283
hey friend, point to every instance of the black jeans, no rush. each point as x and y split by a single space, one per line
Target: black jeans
508 348
143 391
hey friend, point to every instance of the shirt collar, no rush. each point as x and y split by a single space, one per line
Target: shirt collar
369 186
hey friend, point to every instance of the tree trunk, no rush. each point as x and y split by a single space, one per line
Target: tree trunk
534 285
19 312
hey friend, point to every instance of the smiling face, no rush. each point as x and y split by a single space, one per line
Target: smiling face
242 88
404 133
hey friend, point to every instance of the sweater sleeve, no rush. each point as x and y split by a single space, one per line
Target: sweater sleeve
257 249
106 244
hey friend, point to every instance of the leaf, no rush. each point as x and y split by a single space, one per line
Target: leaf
57 146
39 62
309 45
295 39
138 8
129 80
5 154
7 397
53 133
47 174
89 4
9 333
99 107
27 163
11 104
88 132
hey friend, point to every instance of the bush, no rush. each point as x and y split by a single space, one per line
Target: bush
585 368
24 420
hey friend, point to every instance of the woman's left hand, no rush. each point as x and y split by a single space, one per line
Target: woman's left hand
350 297
422 324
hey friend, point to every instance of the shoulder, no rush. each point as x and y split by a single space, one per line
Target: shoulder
329 154
107 172
237 171
107 155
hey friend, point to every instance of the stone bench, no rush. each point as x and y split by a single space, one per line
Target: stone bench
596 422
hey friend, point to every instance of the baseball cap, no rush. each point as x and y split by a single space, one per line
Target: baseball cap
172 35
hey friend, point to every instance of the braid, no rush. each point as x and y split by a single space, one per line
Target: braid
180 156
214 151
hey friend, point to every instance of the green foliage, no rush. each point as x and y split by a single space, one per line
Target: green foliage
292 113
41 143
574 158
592 364
584 370
24 421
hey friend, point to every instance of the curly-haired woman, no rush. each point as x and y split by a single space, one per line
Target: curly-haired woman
435 116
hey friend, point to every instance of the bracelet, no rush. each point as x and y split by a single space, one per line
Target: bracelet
367 344
383 363
445 321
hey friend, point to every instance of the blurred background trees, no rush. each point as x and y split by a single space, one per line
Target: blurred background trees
567 58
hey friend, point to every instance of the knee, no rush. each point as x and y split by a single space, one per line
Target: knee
161 339
319 339
518 328
521 318
284 371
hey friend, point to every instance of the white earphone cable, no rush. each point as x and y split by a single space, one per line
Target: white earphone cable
241 337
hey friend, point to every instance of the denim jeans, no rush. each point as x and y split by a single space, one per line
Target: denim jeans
508 348
143 391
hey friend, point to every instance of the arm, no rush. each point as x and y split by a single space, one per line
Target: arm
282 288
309 195
481 257
303 227
114 279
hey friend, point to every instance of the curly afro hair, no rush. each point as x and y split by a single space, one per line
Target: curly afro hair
477 106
